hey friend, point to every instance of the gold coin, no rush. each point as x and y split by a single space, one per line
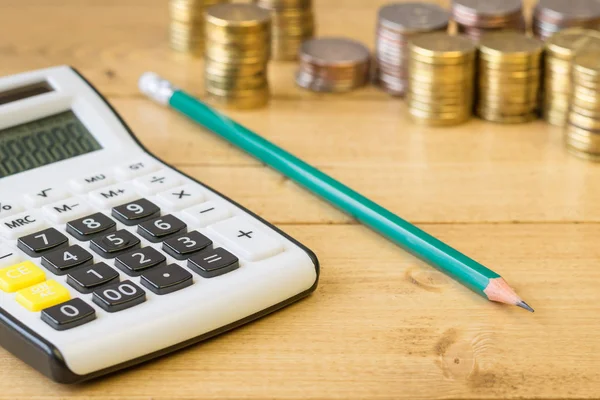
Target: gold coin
584 122
443 48
438 119
589 143
509 46
583 155
506 119
588 104
244 103
435 107
238 17
566 43
556 118
586 64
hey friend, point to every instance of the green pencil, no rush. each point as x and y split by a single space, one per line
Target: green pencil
465 270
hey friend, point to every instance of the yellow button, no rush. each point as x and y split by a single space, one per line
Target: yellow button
20 276
42 295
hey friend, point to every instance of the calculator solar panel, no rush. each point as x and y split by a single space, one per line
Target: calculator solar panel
108 256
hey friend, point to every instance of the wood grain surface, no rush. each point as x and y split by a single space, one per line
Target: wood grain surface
381 325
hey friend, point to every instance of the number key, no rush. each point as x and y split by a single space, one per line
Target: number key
161 228
134 262
183 246
113 244
36 244
69 314
60 261
136 212
90 278
119 296
86 228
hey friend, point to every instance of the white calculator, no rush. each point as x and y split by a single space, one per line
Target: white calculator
110 257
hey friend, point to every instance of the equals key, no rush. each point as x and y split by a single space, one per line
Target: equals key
215 262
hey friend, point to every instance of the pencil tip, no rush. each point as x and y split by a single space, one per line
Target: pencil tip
526 306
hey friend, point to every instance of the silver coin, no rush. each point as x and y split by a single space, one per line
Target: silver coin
494 8
334 51
413 17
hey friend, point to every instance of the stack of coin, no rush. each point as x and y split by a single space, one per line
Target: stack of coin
293 23
509 77
560 50
442 75
583 128
476 17
397 24
186 29
237 55
551 16
333 65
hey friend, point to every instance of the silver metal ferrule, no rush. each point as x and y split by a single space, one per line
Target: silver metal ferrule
157 88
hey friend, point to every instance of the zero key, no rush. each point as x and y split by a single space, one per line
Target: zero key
69 314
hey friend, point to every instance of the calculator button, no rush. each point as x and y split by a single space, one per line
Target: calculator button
215 262
42 295
8 256
245 239
119 296
66 210
9 208
91 182
161 228
86 228
69 314
21 224
60 261
158 181
136 212
182 197
45 196
20 276
136 168
184 245
90 278
137 261
207 213
114 195
36 244
167 279
113 244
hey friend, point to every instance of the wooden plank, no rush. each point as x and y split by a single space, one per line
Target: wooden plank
383 326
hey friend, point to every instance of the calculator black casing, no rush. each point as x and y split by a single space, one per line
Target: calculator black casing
42 355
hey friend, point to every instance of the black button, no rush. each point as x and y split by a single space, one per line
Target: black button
36 244
86 228
59 261
119 296
69 314
90 278
113 244
161 228
167 279
184 245
136 212
137 261
211 263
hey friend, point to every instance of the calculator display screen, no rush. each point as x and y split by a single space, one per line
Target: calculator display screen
42 142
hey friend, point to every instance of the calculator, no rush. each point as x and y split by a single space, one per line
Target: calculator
109 257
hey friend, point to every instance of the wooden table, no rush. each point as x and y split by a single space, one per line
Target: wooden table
381 325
